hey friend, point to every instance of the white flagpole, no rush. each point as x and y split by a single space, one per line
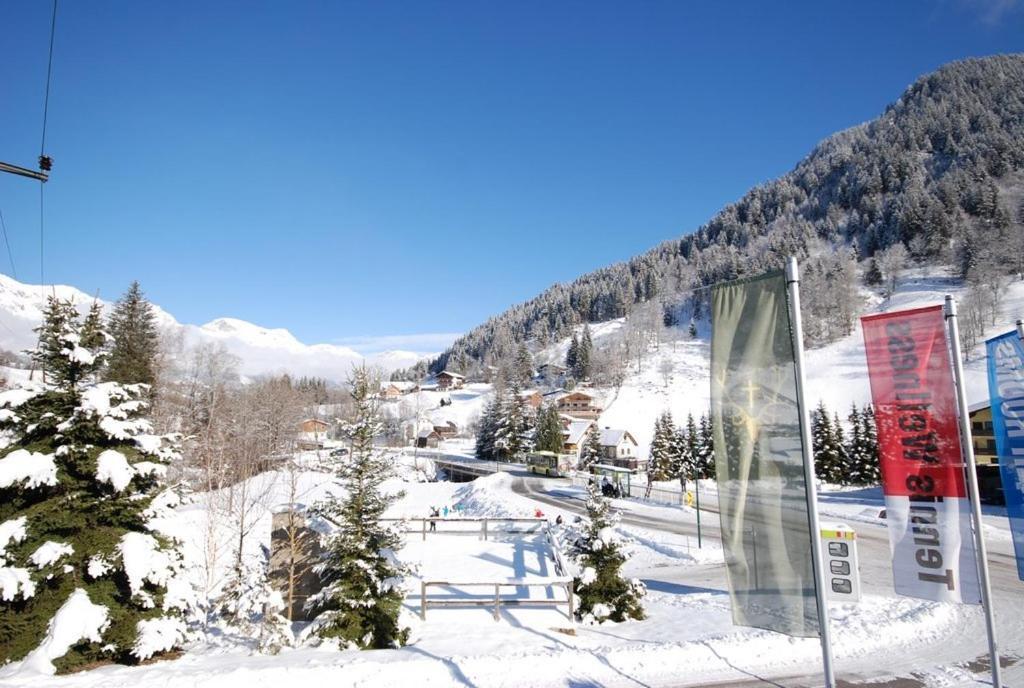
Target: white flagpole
793 285
967 447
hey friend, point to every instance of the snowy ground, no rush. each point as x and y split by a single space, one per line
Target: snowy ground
687 639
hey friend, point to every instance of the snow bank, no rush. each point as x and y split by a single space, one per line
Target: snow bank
32 468
492 496
112 467
78 619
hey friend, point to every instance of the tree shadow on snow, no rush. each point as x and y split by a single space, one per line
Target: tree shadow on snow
453 669
679 588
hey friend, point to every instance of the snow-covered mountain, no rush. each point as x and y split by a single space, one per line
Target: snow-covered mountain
260 350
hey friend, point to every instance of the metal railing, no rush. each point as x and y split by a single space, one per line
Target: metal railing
430 525
565 582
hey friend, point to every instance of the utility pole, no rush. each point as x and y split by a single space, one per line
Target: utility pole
42 175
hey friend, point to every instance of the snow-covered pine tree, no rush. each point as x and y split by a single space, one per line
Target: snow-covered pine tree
663 448
843 466
705 455
827 456
251 607
81 491
132 324
591 452
572 355
693 330
601 590
487 429
361 598
585 355
523 368
548 435
870 468
855 447
513 431
686 452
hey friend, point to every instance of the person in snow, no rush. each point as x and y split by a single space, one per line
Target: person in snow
558 521
445 511
538 513
434 513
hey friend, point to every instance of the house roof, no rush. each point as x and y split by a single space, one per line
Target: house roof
427 432
451 374
577 430
613 437
315 420
577 395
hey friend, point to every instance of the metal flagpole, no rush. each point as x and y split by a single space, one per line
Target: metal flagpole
967 447
793 285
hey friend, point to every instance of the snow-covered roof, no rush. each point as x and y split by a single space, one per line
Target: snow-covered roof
451 374
577 430
613 437
427 432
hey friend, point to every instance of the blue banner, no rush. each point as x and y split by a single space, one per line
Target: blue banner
1006 390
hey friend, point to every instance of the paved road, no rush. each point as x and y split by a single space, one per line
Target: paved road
968 645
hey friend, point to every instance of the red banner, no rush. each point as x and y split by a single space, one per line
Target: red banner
919 445
915 403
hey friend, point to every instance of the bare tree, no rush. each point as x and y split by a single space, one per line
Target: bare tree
891 262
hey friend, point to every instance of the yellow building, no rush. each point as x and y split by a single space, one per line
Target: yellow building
990 484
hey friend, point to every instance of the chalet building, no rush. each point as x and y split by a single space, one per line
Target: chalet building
551 371
578 405
311 435
314 426
619 448
533 399
448 380
447 431
427 437
986 457
392 391
574 436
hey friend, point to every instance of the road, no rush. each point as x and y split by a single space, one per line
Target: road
967 646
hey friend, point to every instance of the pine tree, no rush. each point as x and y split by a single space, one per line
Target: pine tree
855 447
705 455
572 355
252 608
487 429
81 482
693 330
664 447
584 356
548 436
362 595
844 467
132 324
512 435
827 455
602 592
687 440
523 369
870 468
591 453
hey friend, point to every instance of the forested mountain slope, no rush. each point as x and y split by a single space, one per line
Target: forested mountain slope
938 178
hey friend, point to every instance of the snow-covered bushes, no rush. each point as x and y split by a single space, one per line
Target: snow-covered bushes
83 577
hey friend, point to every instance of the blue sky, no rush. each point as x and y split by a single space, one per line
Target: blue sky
358 172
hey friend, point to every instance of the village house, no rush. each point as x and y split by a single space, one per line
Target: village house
311 435
428 437
574 436
619 448
578 405
448 380
551 371
392 391
533 399
447 431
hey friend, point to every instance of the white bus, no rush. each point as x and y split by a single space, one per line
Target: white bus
550 463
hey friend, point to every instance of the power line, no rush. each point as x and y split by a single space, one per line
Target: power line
3 225
49 72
